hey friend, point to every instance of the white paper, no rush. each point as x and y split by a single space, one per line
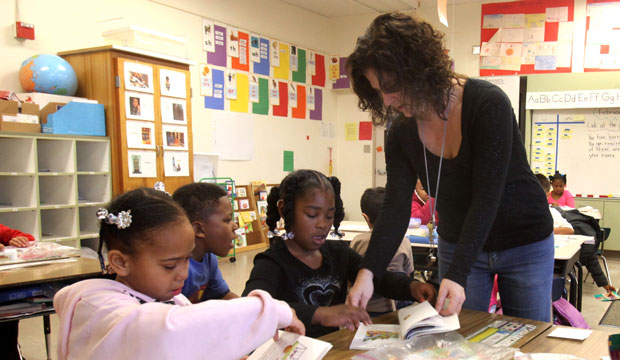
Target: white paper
610 61
140 134
274 92
556 14
233 42
142 164
274 53
206 80
490 49
565 31
230 80
172 83
311 63
208 36
233 135
494 21
291 346
564 53
510 63
369 337
592 57
138 77
205 166
534 34
175 137
510 49
549 48
310 98
293 58
514 20
254 89
490 62
292 95
254 48
139 106
173 110
512 35
176 163
497 37
570 333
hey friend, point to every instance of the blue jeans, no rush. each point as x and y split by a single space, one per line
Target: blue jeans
524 277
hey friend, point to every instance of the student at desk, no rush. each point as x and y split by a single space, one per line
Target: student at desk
560 196
10 329
421 204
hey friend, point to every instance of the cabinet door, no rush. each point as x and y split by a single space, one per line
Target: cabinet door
156 127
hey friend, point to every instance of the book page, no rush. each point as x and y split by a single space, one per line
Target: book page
291 347
422 319
371 336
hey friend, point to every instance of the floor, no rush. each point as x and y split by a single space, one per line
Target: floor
33 344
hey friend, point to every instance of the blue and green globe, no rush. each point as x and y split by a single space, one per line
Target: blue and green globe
49 74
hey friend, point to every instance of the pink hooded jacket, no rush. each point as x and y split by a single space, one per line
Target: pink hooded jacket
104 319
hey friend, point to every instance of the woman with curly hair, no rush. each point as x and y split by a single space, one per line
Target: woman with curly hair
460 136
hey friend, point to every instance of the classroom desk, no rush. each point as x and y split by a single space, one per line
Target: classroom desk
470 320
594 347
567 252
55 273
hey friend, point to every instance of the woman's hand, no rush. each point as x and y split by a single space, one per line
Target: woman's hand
19 241
454 293
341 315
362 289
423 292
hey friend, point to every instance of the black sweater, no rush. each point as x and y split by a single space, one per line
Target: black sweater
488 196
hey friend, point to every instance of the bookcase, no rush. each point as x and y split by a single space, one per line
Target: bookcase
52 185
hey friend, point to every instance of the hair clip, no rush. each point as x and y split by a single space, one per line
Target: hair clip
122 220
272 234
337 233
288 235
159 186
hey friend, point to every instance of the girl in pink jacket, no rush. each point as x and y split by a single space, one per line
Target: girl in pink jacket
142 313
559 196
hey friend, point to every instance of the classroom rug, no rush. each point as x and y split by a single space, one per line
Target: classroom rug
612 315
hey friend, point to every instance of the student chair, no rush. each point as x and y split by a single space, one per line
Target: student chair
605 231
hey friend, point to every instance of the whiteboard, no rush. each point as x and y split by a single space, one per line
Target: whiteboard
584 144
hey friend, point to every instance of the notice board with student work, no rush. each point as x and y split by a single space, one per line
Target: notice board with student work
583 143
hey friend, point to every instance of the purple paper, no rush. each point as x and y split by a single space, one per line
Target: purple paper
263 67
343 82
317 113
217 100
218 57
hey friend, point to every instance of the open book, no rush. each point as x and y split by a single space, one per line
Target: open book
415 320
291 346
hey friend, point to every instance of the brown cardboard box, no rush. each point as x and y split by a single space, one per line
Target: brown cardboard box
12 108
49 108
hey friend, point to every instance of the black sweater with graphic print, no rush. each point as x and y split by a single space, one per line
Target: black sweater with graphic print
488 196
286 278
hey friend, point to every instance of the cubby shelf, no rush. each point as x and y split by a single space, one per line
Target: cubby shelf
52 185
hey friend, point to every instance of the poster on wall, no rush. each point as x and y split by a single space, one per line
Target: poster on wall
254 90
293 58
254 48
139 106
140 134
175 137
311 68
310 98
602 48
206 80
172 83
173 110
233 42
231 84
208 35
275 53
142 163
274 92
176 163
292 95
138 77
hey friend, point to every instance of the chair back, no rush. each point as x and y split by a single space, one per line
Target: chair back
605 231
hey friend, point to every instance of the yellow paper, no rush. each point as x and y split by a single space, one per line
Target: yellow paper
350 131
282 71
534 20
243 94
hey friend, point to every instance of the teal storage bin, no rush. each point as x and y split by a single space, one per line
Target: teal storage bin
76 118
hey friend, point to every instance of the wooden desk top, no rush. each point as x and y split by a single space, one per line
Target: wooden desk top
53 271
594 347
470 320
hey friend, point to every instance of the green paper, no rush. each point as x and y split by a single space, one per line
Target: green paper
262 106
300 75
289 157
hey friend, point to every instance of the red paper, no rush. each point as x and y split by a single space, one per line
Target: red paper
282 109
319 78
365 130
299 112
236 62
551 31
604 49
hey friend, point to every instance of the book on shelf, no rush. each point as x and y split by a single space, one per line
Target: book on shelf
414 320
291 346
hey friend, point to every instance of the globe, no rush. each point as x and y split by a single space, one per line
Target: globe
48 74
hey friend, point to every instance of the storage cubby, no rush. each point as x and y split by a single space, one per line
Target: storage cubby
24 221
58 224
93 188
57 190
92 243
17 155
56 156
89 223
93 156
18 192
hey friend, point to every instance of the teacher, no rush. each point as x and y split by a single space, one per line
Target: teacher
460 136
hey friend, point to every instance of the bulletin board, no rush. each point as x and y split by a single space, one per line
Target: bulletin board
602 49
526 37
584 144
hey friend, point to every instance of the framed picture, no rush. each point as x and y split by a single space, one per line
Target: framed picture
176 163
173 110
172 83
139 106
241 192
138 77
142 163
140 134
175 137
244 204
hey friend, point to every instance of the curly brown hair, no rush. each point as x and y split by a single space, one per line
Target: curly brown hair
409 57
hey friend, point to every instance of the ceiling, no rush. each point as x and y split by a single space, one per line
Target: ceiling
339 8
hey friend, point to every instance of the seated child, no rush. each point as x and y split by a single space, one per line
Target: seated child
142 314
313 274
402 262
561 226
210 212
421 207
560 196
10 329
